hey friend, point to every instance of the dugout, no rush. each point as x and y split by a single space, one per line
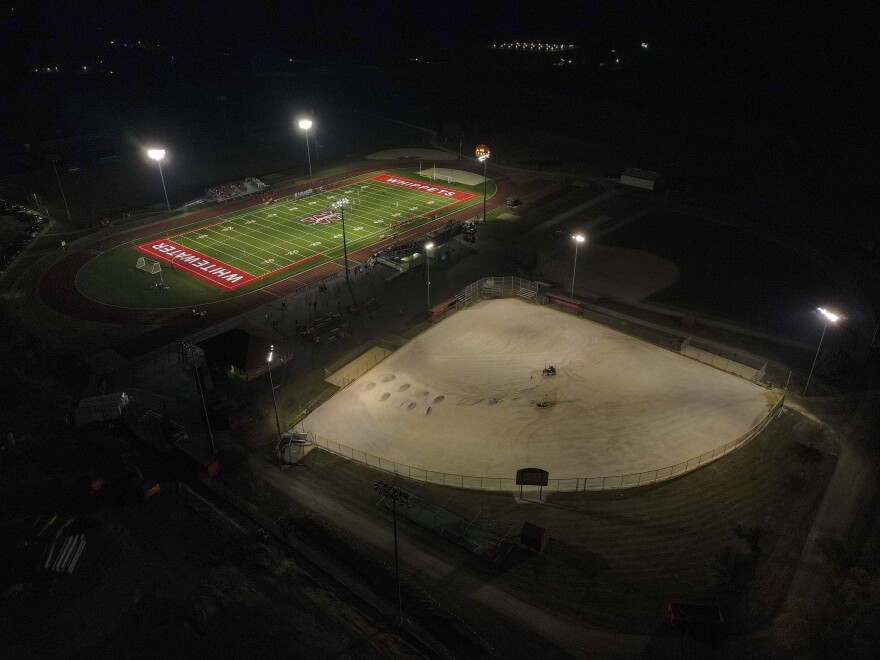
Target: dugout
440 310
633 176
565 303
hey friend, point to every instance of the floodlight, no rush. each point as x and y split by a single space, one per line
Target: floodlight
830 317
428 246
158 155
578 239
834 318
306 124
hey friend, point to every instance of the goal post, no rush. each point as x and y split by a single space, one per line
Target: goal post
150 266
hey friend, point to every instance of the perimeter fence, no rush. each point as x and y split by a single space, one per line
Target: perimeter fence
567 484
514 287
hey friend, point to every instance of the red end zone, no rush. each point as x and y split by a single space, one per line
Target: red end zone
207 268
198 264
440 191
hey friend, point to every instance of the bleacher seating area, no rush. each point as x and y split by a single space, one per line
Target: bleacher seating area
235 189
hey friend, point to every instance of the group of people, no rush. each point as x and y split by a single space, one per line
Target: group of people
235 189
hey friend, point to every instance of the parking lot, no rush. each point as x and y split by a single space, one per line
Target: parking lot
18 227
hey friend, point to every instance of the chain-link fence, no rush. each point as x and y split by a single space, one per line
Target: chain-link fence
715 355
567 484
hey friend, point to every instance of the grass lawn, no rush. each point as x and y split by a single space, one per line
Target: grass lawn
249 248
727 532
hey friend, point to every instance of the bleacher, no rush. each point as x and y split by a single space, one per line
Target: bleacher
235 189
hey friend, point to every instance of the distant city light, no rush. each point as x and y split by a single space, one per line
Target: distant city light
644 44
534 46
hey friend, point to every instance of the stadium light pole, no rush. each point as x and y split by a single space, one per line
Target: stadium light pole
204 405
578 239
306 124
829 318
54 159
344 244
158 155
272 385
396 496
428 246
483 154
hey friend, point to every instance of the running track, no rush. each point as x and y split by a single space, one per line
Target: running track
57 288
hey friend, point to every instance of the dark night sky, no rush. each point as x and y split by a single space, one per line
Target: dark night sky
745 40
808 70
797 51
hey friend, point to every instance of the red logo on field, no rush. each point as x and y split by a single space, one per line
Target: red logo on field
431 188
322 218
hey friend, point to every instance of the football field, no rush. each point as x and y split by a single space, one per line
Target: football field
304 230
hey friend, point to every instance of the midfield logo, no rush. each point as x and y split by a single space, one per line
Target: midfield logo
322 218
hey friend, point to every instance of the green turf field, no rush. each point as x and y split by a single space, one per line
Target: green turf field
248 248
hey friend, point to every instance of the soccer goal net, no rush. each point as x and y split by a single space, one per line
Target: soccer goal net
152 267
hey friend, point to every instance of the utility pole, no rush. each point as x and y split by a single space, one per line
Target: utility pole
396 496
53 158
344 245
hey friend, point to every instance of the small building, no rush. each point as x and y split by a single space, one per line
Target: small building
534 537
632 176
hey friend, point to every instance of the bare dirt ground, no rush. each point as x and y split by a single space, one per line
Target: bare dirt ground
462 398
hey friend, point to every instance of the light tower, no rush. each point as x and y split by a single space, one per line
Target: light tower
272 386
428 246
54 158
158 155
578 239
483 154
829 318
306 124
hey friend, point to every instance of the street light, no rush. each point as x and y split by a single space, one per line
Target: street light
483 154
578 239
428 246
396 496
829 318
272 385
158 155
54 159
306 124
